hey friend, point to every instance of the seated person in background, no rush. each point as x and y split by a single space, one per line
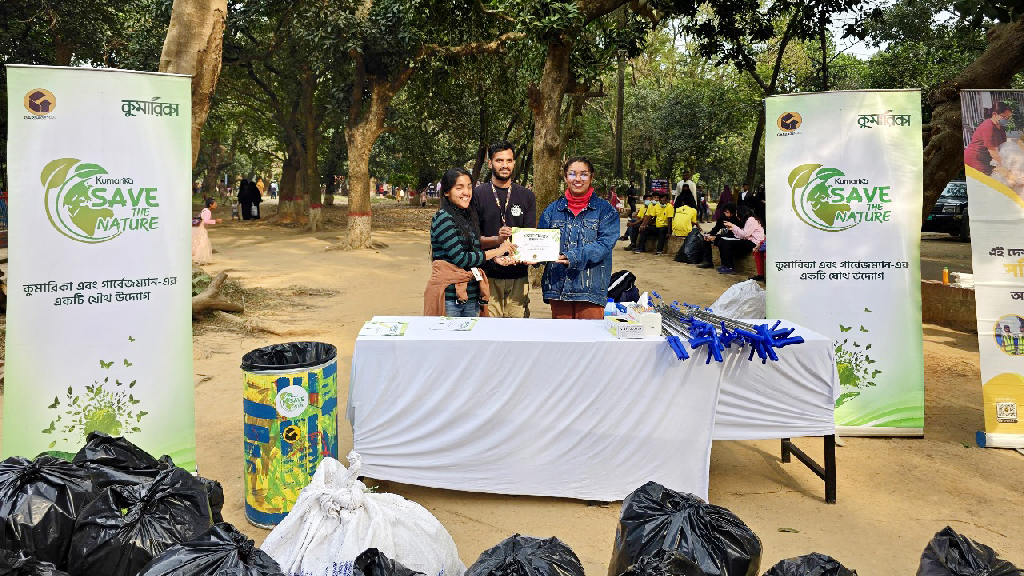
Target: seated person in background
726 213
661 213
685 217
633 226
741 242
760 253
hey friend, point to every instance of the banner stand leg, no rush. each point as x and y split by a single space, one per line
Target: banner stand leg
828 473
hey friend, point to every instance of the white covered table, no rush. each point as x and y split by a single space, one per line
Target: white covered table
562 408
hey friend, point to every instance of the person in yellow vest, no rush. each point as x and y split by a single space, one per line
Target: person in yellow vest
661 214
686 213
634 224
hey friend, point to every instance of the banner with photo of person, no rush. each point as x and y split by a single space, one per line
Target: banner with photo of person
99 329
994 166
843 182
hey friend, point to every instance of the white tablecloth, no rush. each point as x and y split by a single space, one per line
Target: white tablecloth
561 408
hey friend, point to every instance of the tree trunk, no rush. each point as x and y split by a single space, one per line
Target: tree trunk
620 92
359 193
481 152
194 45
310 127
212 170
755 148
824 54
290 182
546 104
944 144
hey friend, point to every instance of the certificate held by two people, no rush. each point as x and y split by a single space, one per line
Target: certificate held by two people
537 244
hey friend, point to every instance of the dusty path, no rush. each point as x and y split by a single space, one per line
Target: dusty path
893 494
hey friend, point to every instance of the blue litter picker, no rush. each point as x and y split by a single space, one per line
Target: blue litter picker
698 327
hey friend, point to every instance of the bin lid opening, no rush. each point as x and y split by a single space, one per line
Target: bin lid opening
289 356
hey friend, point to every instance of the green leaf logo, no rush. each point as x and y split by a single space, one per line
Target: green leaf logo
812 198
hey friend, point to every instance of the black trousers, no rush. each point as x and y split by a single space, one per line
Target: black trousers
661 235
729 249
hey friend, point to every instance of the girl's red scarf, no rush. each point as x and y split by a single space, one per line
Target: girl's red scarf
578 203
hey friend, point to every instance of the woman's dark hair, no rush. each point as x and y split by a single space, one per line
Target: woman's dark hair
743 213
209 202
729 207
573 160
1000 108
686 198
468 221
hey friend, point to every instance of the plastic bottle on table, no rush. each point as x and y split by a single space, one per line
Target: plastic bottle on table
610 309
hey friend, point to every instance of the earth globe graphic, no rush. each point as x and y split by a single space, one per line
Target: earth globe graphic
76 203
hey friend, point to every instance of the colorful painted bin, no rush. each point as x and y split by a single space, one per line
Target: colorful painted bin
290 406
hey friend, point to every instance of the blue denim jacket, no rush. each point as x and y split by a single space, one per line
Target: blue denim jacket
587 241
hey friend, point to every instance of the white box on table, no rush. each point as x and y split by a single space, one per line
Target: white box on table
646 317
624 328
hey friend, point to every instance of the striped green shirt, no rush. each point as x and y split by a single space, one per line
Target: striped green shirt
448 244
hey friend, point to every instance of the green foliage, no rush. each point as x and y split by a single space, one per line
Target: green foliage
200 280
854 363
921 50
99 407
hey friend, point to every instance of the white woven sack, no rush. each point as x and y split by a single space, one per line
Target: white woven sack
335 519
741 300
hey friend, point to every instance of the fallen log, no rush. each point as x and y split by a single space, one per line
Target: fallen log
211 299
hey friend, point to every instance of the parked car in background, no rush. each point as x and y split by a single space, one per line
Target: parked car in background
950 212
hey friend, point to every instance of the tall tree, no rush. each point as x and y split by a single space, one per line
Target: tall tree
995 68
194 46
390 41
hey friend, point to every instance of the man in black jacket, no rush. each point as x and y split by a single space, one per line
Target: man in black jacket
502 205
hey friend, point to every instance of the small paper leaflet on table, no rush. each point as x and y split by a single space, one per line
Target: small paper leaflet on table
375 328
448 324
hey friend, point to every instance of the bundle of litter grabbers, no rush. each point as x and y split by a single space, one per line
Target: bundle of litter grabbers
688 325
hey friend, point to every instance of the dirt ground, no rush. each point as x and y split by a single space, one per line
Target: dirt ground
894 494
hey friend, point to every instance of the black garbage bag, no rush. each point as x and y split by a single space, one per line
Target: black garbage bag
813 564
373 562
216 493
654 517
664 563
953 554
527 556
692 250
220 550
125 528
39 501
115 461
289 356
18 564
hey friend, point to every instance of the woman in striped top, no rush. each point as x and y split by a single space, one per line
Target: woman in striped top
455 238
